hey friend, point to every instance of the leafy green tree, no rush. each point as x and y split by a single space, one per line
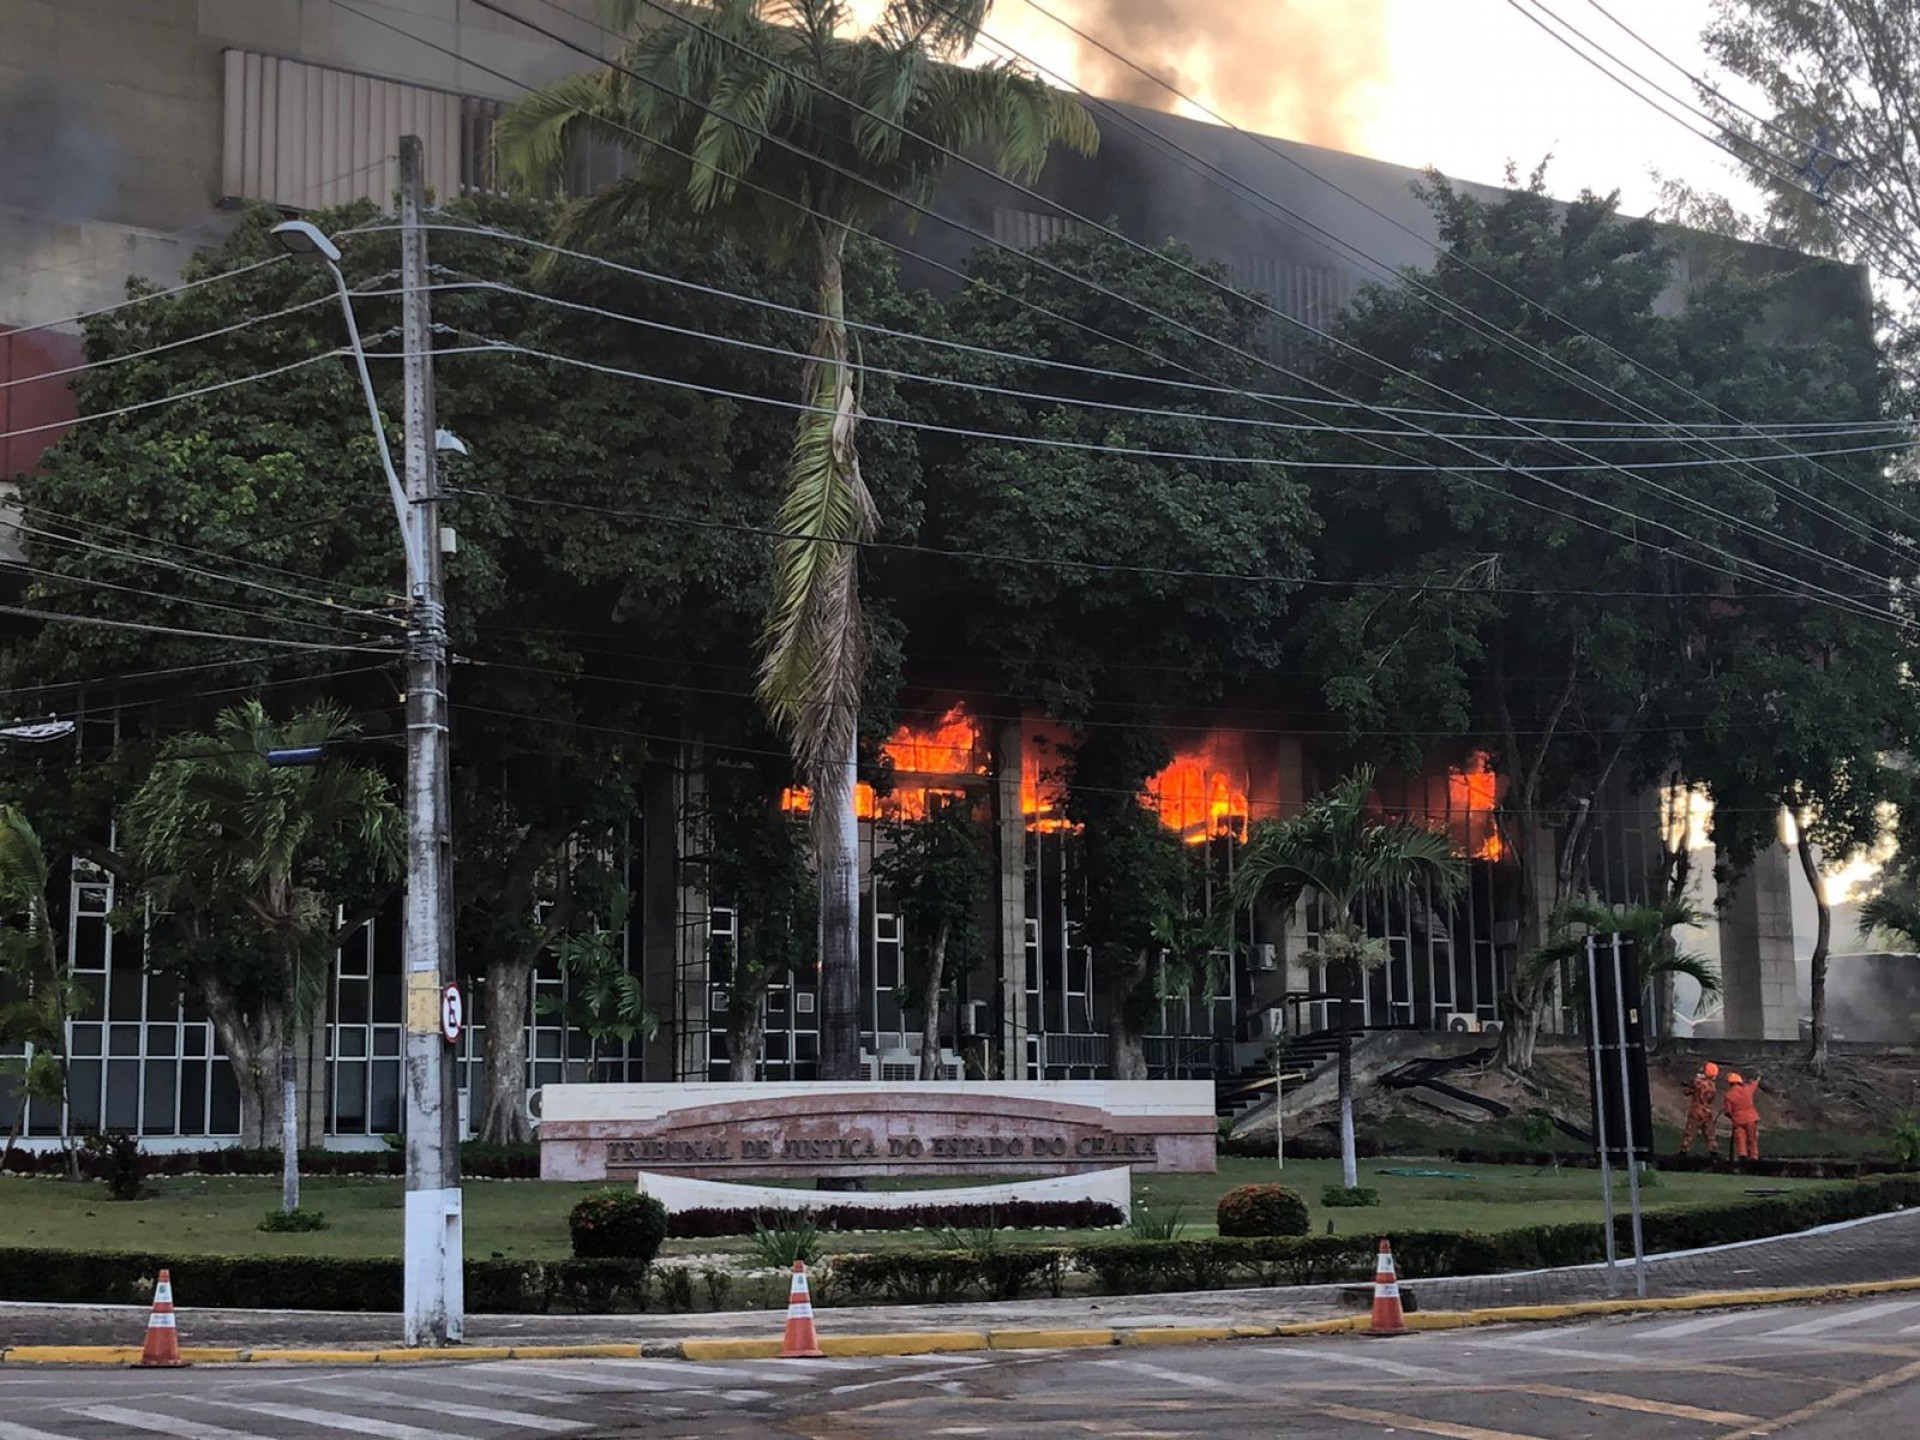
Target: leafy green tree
1334 850
754 862
1823 129
37 992
937 869
770 122
215 818
1475 608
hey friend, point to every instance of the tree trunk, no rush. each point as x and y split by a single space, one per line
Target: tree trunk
1349 1151
935 982
289 1122
746 1035
836 832
252 1056
1126 1028
1822 939
508 979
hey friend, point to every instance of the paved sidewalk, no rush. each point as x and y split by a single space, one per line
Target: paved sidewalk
1885 1247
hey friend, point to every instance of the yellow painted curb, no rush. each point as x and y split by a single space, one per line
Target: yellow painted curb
930 1343
73 1354
571 1352
730 1349
452 1352
1179 1335
1047 1339
316 1357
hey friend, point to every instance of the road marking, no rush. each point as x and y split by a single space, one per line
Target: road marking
1415 1423
22 1432
1172 1377
519 1419
1845 1318
1635 1402
1367 1362
920 1377
1691 1327
163 1424
463 1378
1840 1399
740 1397
334 1420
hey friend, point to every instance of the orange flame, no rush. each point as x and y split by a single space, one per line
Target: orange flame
948 749
1473 795
1203 793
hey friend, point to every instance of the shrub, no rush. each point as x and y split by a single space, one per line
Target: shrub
786 1239
614 1224
119 1161
1906 1141
1262 1210
293 1221
1336 1197
1157 1225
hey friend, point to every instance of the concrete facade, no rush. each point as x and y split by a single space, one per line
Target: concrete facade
1756 952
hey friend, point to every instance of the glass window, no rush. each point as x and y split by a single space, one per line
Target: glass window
86 1039
352 1008
383 1104
89 944
123 1094
225 1106
386 1041
123 1039
350 1096
124 994
84 1083
156 1110
193 1099
162 1039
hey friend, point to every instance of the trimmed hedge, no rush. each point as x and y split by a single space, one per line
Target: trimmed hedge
704 1224
303 1282
617 1224
478 1160
1146 1266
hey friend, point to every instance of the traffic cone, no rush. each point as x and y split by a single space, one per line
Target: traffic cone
162 1349
800 1343
1388 1317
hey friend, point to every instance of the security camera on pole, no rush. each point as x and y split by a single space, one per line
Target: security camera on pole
434 1296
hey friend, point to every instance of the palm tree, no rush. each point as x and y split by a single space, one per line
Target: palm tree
45 992
1651 927
215 823
771 124
1335 851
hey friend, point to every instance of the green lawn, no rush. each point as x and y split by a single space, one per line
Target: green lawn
527 1219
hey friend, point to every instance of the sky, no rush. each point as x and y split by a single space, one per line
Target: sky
1465 85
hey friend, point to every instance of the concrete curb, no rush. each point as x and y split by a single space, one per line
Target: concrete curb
941 1342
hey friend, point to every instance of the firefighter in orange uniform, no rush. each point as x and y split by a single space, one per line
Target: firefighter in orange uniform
1701 1094
1744 1117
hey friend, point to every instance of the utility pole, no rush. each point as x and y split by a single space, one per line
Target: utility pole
435 1243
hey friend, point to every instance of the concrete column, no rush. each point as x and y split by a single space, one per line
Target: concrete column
1756 952
1010 897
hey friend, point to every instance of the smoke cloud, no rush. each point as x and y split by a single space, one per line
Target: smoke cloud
1301 69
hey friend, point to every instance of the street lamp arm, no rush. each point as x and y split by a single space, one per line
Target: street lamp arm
402 512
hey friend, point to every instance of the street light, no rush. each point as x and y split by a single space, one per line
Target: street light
435 1242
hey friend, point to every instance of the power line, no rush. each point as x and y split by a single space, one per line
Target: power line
72 320
1792 428
468 283
1097 567
492 345
28 612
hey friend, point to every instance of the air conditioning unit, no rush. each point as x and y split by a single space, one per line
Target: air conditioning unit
1266 957
1492 1027
975 1016
803 1002
1460 1023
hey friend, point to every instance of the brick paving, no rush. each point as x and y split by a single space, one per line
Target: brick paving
1884 1248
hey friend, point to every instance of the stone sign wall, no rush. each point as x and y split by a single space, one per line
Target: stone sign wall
848 1130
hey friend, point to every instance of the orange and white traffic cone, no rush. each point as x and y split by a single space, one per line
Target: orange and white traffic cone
162 1349
800 1343
1388 1317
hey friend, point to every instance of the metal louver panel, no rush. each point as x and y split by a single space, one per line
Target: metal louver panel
305 136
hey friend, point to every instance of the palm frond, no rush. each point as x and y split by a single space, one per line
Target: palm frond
1895 912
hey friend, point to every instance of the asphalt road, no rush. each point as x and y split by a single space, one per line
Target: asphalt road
1813 1373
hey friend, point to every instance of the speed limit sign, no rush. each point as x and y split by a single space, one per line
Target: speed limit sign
453 1013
